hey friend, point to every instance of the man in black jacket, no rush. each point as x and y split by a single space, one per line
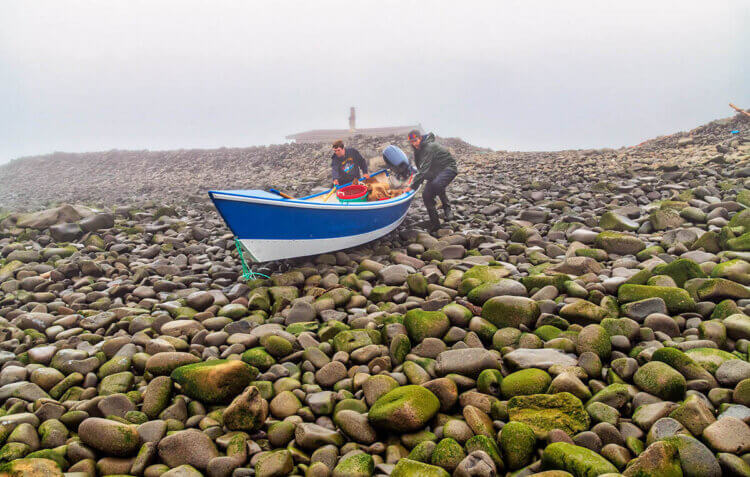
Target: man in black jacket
347 164
437 168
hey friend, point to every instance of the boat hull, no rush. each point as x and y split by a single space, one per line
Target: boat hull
272 229
263 250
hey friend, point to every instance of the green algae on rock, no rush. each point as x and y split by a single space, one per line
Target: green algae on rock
544 412
40 467
357 465
510 311
447 454
422 324
660 459
517 442
413 468
579 461
404 409
676 299
661 380
214 381
619 243
525 382
710 358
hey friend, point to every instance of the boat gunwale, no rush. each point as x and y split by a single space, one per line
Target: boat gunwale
303 203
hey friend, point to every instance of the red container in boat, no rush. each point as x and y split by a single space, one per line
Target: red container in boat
352 193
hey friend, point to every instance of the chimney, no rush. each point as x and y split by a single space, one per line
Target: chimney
352 119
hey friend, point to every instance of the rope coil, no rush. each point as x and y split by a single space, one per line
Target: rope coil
247 272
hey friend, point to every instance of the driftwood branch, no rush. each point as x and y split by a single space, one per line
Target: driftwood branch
739 110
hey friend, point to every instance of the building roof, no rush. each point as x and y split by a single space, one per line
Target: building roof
330 135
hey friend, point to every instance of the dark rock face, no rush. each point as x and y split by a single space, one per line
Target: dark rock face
584 311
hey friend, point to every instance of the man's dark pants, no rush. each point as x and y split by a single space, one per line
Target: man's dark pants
436 187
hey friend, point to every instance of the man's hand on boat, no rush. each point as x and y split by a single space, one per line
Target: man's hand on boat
407 190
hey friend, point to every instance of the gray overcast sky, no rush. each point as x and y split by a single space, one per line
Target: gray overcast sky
519 75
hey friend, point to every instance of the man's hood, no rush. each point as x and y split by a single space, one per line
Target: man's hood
427 138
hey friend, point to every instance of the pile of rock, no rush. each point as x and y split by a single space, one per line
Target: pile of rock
587 316
111 178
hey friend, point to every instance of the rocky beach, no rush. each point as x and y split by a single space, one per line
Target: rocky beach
587 312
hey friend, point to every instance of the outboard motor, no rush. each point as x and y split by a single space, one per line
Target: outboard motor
397 161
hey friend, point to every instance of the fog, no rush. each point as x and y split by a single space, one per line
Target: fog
544 75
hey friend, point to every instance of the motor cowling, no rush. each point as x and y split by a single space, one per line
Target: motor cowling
397 161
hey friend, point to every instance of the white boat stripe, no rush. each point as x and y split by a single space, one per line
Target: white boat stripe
266 250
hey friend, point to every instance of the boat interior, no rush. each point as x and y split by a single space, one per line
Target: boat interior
379 186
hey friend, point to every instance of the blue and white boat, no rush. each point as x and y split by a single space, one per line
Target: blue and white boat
270 227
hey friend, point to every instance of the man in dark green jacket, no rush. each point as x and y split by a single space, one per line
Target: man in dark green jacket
436 168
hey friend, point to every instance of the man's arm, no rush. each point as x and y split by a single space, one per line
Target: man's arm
334 171
361 162
424 166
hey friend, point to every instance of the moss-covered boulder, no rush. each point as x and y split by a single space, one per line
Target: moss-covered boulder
619 243
447 454
422 324
282 297
488 445
31 467
511 311
696 459
740 219
259 299
737 326
583 312
579 461
486 273
544 412
739 244
340 296
661 380
384 293
736 270
724 309
505 286
350 340
247 412
717 289
357 465
614 221
216 381
479 274
234 311
660 459
518 443
615 395
525 382
458 315
709 242
594 338
274 464
676 299
259 358
116 383
413 468
664 219
681 270
709 358
156 396
694 414
417 284
109 436
404 409
538 281
685 365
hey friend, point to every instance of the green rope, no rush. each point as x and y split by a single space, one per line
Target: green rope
247 272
